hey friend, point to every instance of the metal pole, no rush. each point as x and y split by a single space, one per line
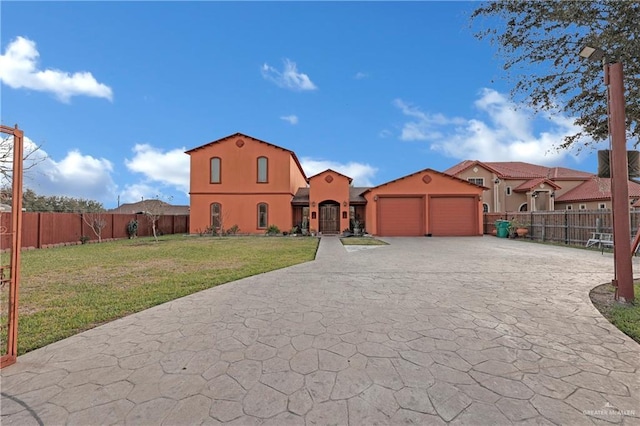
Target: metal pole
619 183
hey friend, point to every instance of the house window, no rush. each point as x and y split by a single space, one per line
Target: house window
215 170
485 208
583 206
263 215
508 190
602 206
263 169
476 181
569 207
523 207
216 215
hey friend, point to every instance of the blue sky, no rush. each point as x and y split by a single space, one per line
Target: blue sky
115 92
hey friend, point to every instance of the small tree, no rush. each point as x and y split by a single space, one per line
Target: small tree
153 209
96 222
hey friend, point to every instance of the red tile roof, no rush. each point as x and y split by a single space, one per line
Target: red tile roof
521 170
532 183
596 189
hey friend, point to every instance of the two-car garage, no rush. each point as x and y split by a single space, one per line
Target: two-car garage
425 203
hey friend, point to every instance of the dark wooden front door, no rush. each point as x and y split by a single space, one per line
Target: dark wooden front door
330 219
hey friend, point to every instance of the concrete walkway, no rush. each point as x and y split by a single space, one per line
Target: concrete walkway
424 331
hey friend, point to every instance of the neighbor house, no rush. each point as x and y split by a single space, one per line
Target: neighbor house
520 186
243 181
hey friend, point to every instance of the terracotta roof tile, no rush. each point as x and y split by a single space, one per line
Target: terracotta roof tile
596 189
532 183
521 170
355 195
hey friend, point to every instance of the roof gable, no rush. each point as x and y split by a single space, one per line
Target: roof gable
532 183
331 171
242 135
428 170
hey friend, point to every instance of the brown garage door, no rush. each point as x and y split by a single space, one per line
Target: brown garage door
453 216
401 216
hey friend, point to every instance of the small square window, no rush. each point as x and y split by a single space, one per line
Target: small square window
583 206
569 207
602 206
476 181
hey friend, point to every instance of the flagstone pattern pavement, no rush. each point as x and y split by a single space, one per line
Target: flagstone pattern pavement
422 331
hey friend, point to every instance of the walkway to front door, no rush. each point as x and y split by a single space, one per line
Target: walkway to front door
330 218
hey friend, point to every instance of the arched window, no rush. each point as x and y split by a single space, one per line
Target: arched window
523 207
216 215
485 208
215 170
263 170
263 215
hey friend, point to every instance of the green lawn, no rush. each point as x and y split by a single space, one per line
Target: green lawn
627 318
362 241
66 290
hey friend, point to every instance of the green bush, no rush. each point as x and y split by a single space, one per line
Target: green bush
273 230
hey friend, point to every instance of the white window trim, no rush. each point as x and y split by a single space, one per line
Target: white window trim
602 206
523 204
508 190
488 207
583 207
481 179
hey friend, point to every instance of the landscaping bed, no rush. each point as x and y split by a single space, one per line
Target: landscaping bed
625 317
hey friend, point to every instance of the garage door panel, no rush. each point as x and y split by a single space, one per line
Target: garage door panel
453 216
401 216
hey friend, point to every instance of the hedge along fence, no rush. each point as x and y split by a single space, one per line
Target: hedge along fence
562 226
41 230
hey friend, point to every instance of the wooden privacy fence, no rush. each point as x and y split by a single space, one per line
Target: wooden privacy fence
573 227
41 230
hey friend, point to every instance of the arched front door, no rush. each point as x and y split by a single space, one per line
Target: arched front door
329 217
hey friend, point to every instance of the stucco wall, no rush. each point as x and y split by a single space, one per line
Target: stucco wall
239 192
326 186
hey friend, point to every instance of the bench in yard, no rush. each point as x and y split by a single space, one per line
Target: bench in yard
601 239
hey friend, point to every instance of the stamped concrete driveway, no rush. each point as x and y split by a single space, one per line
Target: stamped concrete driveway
423 331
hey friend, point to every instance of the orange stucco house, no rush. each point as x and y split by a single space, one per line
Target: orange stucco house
240 180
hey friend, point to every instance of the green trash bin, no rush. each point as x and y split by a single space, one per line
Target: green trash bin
502 226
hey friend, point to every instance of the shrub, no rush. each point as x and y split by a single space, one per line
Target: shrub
233 230
132 229
84 239
272 230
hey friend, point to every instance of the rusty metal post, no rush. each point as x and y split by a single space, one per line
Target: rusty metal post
614 80
16 245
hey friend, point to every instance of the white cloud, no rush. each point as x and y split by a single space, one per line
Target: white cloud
289 77
18 69
76 175
362 174
506 133
138 191
360 75
292 119
423 126
168 168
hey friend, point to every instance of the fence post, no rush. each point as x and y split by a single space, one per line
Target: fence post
39 242
598 224
566 227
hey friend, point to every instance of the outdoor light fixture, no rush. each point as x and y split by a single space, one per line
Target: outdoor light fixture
614 80
592 53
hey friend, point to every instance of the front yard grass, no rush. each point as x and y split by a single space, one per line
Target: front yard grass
362 241
625 317
66 290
